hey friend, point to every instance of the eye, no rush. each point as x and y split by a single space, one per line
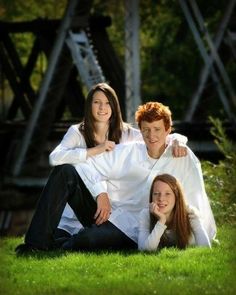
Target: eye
168 194
156 194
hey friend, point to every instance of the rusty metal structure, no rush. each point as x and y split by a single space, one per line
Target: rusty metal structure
79 54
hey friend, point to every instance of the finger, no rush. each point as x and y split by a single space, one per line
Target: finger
178 152
112 145
97 213
102 214
101 219
98 221
175 152
109 148
183 152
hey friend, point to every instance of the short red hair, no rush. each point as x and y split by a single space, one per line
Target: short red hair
153 111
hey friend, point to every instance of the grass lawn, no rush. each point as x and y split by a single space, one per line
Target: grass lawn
193 271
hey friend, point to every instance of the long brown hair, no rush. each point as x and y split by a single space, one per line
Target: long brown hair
87 127
179 222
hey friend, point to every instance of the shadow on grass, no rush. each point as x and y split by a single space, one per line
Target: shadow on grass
40 254
37 254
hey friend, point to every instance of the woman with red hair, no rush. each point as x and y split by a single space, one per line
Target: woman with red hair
169 221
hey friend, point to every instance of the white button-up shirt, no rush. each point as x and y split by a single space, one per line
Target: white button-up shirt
126 174
72 150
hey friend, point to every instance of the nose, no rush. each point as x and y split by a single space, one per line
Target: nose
151 134
160 197
101 105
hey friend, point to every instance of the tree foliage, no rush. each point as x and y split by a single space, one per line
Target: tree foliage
20 10
170 59
220 178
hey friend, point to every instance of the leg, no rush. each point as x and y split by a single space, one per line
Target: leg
103 237
61 233
60 237
64 185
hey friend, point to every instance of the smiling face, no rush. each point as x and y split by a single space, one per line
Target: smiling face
154 135
101 109
164 197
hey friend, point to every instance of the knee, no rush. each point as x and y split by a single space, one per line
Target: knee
78 242
66 169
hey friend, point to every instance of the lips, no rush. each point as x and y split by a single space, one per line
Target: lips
102 114
162 205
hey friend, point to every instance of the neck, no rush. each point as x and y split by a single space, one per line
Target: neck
156 154
101 131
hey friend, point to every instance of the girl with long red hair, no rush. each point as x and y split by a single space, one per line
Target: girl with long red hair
169 221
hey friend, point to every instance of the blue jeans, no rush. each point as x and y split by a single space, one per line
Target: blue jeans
65 186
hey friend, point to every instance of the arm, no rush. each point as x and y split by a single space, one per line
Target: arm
199 232
178 143
101 148
176 137
146 240
103 208
72 149
95 173
95 181
195 192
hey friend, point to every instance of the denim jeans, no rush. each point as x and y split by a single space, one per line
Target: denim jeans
99 237
65 186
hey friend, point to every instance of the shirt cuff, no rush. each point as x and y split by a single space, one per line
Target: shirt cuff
98 188
161 226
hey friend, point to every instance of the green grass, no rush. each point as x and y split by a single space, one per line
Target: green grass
193 271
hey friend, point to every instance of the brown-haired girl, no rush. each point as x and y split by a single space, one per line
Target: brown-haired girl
169 221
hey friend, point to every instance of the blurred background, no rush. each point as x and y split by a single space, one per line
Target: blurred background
178 52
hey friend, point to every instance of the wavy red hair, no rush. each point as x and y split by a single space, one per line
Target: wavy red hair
153 111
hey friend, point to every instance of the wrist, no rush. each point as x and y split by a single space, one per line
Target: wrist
102 195
162 221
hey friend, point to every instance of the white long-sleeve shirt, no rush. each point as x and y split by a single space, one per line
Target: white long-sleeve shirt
150 241
126 175
72 150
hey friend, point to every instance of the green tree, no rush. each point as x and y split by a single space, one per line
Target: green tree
170 59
